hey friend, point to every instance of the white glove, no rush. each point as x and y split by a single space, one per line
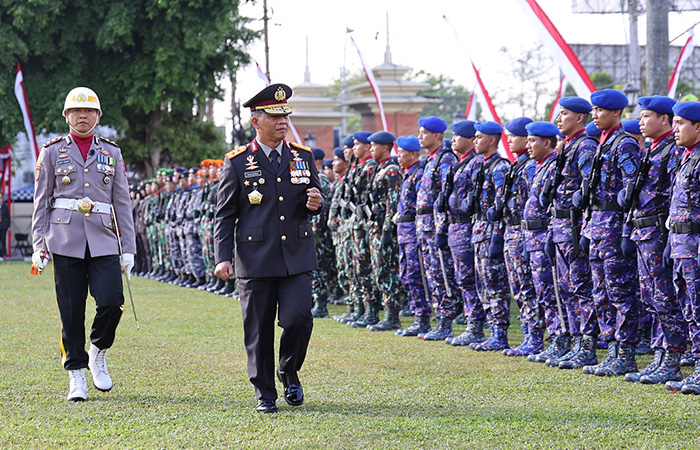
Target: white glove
39 260
127 262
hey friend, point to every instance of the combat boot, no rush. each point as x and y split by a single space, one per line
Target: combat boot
687 360
210 282
526 340
229 287
496 342
421 324
218 284
342 318
320 311
370 317
406 310
574 347
691 385
357 313
461 319
558 346
533 344
98 368
199 282
634 377
391 320
585 356
668 370
474 334
442 330
623 364
644 345
613 348
78 386
474 345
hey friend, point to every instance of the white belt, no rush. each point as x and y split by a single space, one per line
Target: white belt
84 205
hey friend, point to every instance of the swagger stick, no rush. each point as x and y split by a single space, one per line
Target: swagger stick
121 253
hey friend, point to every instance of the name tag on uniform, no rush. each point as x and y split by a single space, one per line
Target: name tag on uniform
63 161
253 174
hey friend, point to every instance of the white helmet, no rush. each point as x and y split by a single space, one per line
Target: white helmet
81 97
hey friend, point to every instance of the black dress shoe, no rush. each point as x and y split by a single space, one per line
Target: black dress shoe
266 406
293 393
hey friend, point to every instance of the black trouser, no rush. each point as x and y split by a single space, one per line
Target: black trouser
3 242
73 276
261 298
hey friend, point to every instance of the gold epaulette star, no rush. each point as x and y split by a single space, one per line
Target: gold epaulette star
236 152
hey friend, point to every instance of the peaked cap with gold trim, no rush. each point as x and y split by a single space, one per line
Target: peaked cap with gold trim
271 100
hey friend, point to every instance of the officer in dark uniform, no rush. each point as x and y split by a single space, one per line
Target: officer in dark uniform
268 188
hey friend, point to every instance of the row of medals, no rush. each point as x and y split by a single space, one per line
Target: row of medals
298 177
67 180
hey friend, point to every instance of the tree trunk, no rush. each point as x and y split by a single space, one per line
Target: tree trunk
153 163
657 47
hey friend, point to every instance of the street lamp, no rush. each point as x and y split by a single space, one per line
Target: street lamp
632 93
457 116
310 140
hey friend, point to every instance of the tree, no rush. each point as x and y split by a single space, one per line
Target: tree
154 64
453 97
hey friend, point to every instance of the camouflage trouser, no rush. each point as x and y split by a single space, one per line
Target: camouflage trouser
411 277
574 274
614 291
432 255
340 261
491 284
658 297
460 241
325 254
546 299
520 280
194 255
174 249
164 244
686 279
385 262
354 294
362 262
204 238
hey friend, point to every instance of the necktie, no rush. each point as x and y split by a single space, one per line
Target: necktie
274 159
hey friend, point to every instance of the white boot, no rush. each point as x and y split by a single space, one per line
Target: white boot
78 385
98 368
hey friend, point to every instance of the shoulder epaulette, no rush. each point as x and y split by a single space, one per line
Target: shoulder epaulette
236 152
302 147
109 142
53 141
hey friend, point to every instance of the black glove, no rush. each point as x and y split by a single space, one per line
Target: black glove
550 249
496 245
544 200
441 241
387 238
525 253
584 244
440 203
622 199
667 260
578 200
629 249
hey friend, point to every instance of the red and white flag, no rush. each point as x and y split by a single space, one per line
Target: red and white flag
266 80
28 125
470 110
372 83
561 52
555 105
686 51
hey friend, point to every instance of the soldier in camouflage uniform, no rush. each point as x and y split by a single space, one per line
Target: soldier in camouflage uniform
325 253
606 235
541 144
646 204
193 245
335 220
487 237
562 246
459 184
684 225
432 228
509 211
384 251
361 182
167 273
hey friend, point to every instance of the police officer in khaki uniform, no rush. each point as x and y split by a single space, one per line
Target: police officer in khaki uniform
80 189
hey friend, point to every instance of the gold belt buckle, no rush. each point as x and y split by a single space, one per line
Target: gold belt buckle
85 205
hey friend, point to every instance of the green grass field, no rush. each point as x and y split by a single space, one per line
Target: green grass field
180 382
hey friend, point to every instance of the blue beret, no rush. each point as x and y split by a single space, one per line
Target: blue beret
181 170
542 129
575 104
339 153
408 143
432 123
464 128
517 126
657 103
593 130
328 163
489 128
610 99
318 153
194 170
687 110
362 136
631 126
348 141
382 137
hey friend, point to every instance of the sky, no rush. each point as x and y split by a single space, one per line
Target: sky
419 37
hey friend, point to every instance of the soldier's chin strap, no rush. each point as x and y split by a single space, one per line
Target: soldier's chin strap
87 133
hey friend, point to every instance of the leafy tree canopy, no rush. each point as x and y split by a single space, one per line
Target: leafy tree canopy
153 63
